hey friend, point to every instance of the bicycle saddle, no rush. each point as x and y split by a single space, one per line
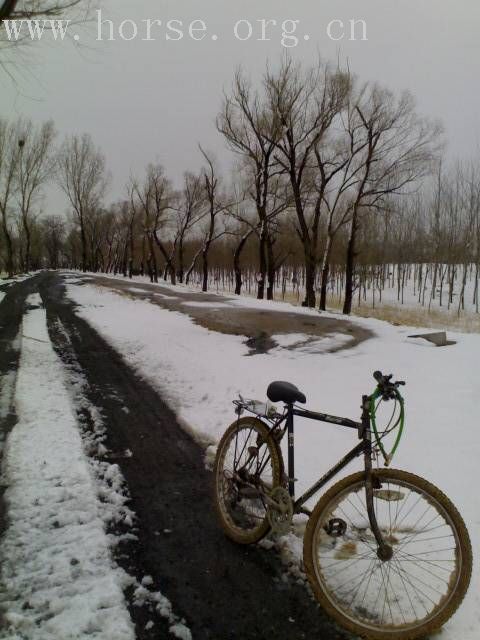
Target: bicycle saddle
284 392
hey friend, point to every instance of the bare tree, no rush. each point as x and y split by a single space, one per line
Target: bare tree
189 213
28 9
10 150
40 16
35 168
53 233
217 204
155 199
81 175
398 152
252 132
305 104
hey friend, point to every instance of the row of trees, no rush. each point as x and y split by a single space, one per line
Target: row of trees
330 175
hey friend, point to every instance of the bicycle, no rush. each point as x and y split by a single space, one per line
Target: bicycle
386 553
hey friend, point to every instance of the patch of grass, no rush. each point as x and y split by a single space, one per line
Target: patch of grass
439 318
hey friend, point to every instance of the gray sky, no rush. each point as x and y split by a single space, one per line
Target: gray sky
153 101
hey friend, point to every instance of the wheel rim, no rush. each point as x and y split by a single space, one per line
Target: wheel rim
245 465
410 589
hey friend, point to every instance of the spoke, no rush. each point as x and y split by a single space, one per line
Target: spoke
396 512
350 580
407 592
352 526
388 599
409 511
401 508
399 571
362 515
424 553
425 540
409 576
246 440
373 564
380 588
433 574
423 529
263 463
406 557
382 569
235 452
365 556
389 512
355 586
438 526
363 506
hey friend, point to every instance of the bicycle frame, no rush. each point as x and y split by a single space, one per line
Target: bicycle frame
364 447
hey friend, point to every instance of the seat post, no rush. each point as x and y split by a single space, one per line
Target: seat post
291 456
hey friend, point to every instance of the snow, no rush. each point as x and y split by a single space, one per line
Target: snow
6 393
199 372
296 342
58 578
15 279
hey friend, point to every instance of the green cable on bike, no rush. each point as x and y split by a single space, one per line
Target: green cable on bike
399 423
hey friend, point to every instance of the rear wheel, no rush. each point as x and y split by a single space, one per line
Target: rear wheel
248 465
419 588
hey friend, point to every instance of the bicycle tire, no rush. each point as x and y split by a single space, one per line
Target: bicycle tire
237 513
406 569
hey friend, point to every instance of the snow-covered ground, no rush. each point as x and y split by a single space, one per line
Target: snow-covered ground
58 578
19 278
199 372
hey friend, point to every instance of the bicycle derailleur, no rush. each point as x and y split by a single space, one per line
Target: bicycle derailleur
280 511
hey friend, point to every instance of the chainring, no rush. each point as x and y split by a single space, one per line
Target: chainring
280 518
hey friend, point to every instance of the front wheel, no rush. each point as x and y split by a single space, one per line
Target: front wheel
248 466
408 596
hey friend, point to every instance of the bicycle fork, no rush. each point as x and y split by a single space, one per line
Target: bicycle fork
384 551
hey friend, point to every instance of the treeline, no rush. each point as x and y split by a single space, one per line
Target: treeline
333 180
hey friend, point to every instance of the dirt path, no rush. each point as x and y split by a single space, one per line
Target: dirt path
223 591
220 313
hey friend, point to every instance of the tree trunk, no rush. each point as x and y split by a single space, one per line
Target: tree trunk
84 246
236 262
262 267
168 260
130 260
181 267
270 269
28 246
205 269
325 273
192 266
350 266
310 272
9 243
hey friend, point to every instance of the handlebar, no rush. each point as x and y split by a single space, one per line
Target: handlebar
387 388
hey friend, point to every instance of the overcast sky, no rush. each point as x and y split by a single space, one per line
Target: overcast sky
153 101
